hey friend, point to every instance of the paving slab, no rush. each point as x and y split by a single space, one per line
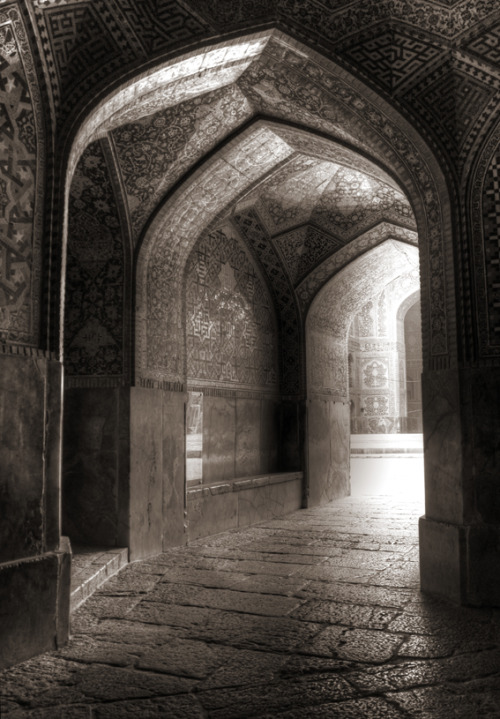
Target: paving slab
317 615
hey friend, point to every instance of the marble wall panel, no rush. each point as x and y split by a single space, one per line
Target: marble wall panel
53 444
173 453
269 435
268 502
95 465
481 420
441 548
328 425
291 436
483 574
146 467
219 438
248 451
35 606
444 500
211 513
23 381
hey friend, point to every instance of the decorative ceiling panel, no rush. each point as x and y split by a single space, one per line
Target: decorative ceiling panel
392 55
156 151
365 277
308 288
303 248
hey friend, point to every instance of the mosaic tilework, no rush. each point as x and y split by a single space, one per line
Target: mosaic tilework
377 364
155 152
391 55
338 199
392 40
456 95
319 276
276 86
366 320
21 140
289 318
304 248
231 333
172 236
486 45
327 330
159 23
352 203
95 285
376 405
375 374
329 103
80 38
491 230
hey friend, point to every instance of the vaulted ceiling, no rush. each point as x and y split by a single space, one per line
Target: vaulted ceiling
437 59
257 131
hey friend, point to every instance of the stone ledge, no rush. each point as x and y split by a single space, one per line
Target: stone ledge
240 484
92 571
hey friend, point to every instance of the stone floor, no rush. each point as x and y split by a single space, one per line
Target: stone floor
316 615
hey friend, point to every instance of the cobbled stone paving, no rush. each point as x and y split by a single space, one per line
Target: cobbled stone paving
318 614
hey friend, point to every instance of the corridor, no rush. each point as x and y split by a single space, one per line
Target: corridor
315 615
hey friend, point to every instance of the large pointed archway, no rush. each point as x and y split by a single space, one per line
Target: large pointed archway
197 145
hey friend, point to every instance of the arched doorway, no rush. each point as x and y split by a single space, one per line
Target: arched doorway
385 368
294 194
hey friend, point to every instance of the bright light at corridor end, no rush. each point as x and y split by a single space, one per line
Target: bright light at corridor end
400 476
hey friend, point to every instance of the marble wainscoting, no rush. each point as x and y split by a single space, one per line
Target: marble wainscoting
460 532
240 437
242 502
328 425
35 562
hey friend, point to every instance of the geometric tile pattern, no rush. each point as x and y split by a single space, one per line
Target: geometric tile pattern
20 140
79 38
491 229
161 23
230 325
391 55
456 98
486 45
95 285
